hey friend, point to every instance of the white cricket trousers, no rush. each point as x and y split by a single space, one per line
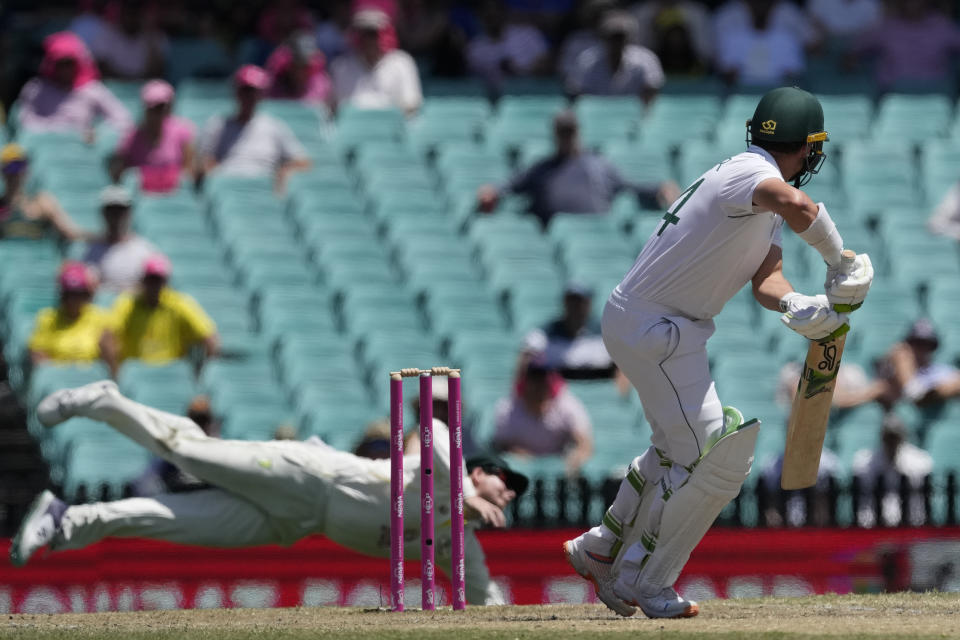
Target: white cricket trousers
665 358
267 492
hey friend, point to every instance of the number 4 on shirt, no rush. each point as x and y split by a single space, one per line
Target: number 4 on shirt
670 217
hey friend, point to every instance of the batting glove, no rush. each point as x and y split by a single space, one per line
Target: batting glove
811 316
846 291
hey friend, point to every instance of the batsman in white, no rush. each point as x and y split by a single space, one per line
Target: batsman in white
273 492
722 232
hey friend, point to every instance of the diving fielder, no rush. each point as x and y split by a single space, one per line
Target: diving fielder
722 232
264 492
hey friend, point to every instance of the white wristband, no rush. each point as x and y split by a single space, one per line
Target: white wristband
823 236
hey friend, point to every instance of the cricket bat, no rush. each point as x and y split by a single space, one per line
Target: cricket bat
810 412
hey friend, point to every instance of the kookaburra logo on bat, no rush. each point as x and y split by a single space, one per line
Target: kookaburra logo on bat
818 382
829 358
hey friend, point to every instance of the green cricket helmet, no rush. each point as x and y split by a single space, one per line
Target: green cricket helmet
790 114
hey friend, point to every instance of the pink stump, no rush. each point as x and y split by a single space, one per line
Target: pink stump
396 492
458 571
426 491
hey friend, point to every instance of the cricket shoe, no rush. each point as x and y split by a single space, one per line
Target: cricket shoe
666 604
38 527
62 405
598 569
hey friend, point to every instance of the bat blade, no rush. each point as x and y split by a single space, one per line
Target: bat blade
810 413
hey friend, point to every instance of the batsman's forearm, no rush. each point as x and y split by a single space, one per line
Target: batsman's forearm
771 289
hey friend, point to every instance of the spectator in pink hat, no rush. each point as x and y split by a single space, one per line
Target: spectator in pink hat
158 324
250 143
76 330
68 95
375 74
161 147
298 71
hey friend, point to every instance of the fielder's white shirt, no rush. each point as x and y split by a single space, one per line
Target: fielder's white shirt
714 242
358 510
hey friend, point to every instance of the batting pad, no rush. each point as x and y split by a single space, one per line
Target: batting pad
651 564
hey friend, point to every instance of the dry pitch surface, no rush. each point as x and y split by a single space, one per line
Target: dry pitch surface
934 615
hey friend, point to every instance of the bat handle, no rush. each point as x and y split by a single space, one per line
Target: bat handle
847 260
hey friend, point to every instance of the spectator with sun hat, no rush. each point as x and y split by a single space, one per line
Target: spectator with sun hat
158 324
248 142
375 74
76 330
118 255
161 146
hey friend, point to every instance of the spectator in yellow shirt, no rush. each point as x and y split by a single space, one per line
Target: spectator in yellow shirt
76 331
158 324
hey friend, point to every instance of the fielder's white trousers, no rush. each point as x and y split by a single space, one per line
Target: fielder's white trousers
272 491
664 356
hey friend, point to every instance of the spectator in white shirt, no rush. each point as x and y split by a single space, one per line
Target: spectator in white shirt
617 67
921 380
375 74
133 48
572 343
882 469
251 143
845 18
119 254
542 417
764 52
506 49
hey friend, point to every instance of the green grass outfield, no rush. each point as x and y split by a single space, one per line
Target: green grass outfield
931 615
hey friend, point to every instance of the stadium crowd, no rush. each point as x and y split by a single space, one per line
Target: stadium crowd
253 171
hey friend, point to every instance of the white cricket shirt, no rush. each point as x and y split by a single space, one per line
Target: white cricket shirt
711 241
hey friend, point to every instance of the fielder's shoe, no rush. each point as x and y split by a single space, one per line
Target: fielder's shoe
38 527
62 405
598 570
666 604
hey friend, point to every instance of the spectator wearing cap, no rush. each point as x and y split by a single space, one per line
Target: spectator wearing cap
920 379
119 254
505 48
68 96
375 74
25 213
158 324
161 147
251 143
617 67
542 417
133 48
572 343
298 71
572 180
76 330
881 471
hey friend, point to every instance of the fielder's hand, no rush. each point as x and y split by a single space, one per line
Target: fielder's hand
810 316
846 291
491 514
